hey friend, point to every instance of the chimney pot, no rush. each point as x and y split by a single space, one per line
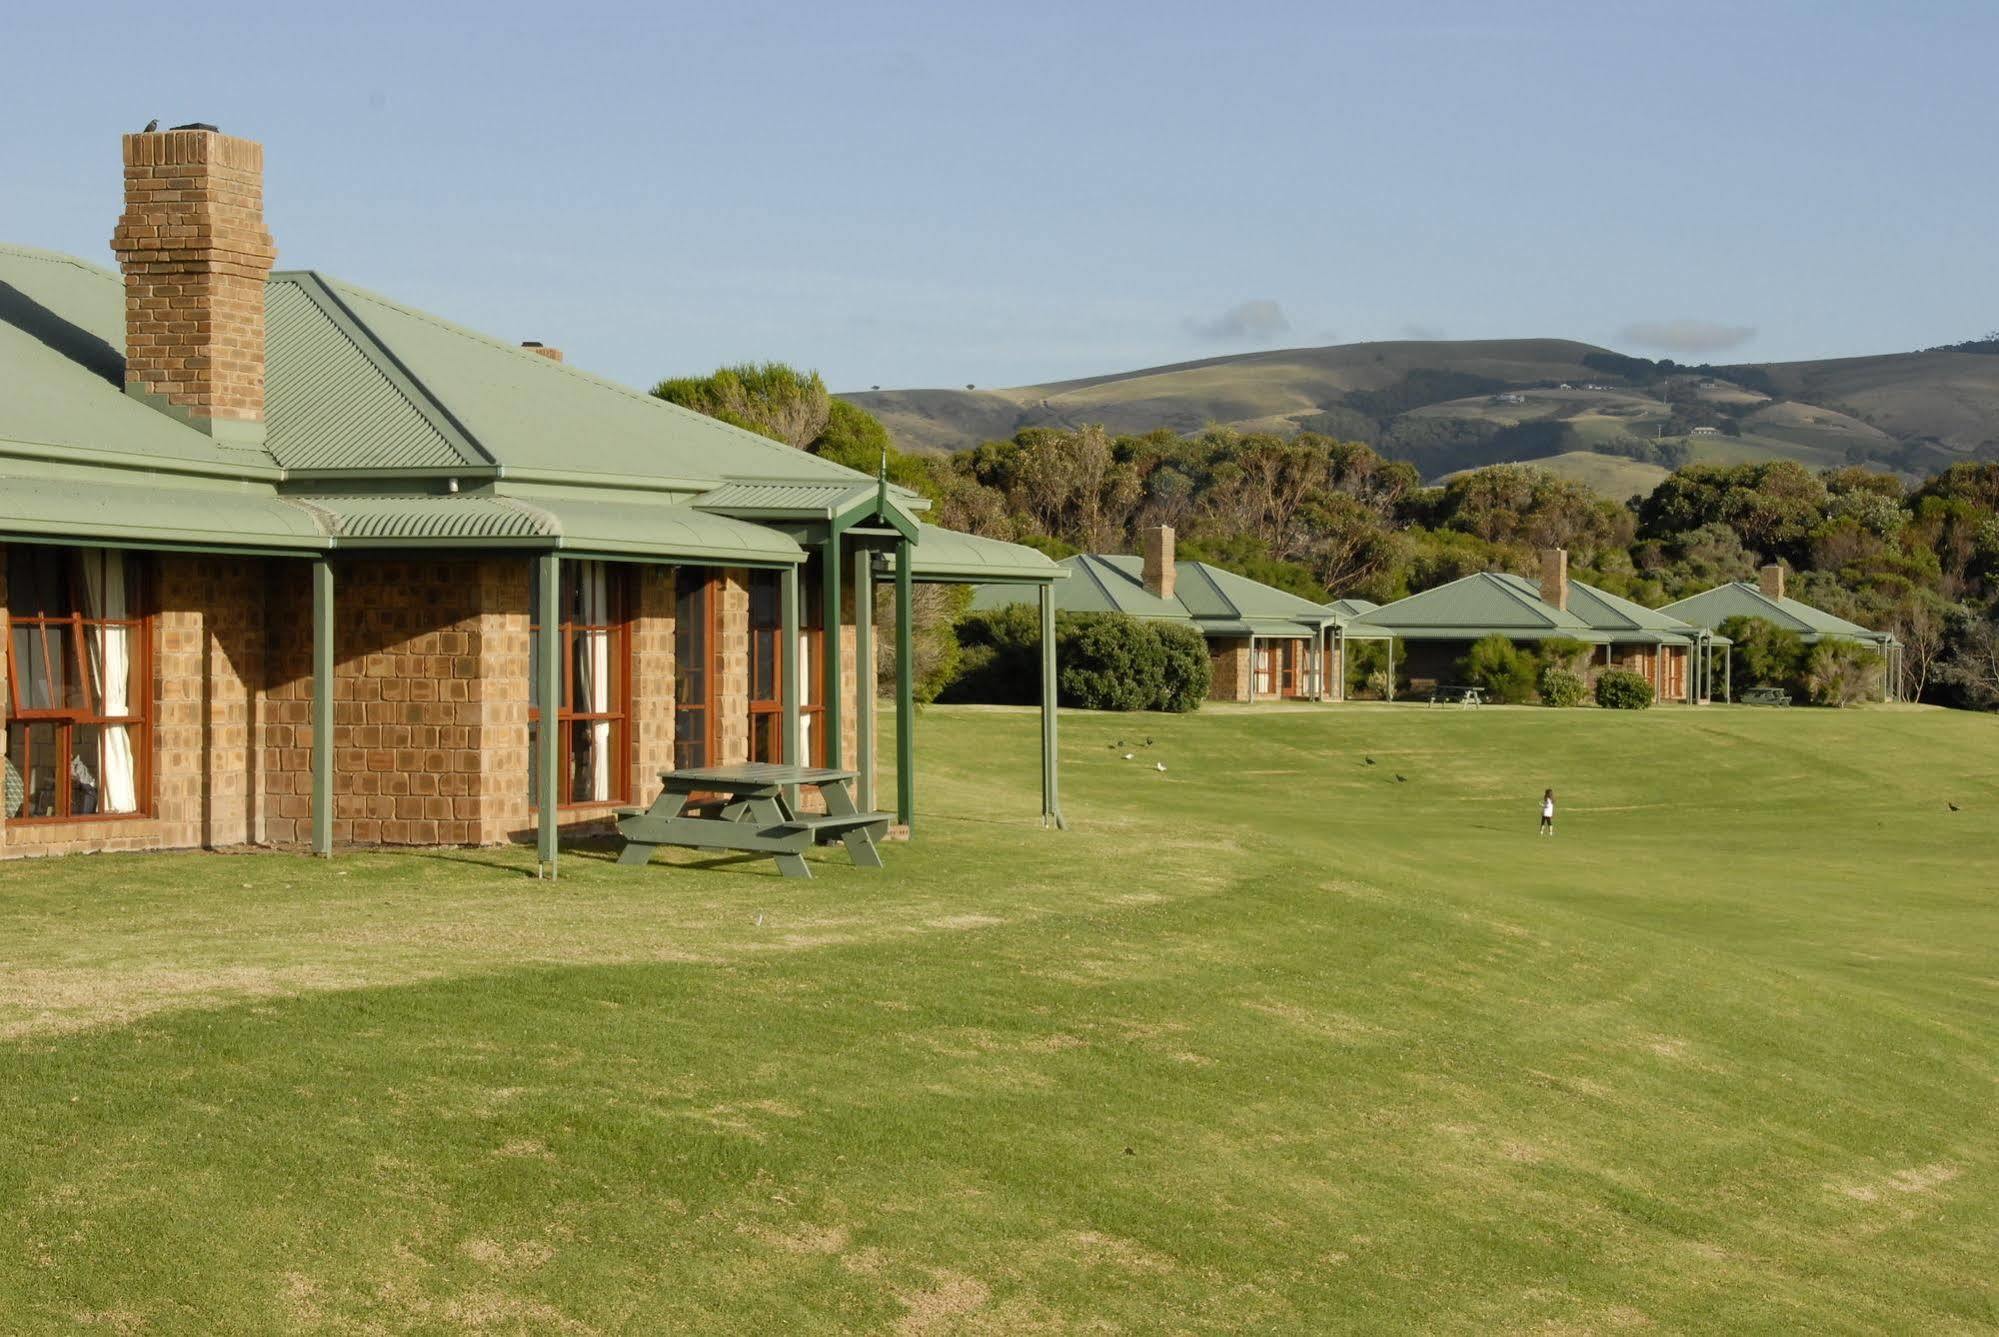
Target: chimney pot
1771 581
1159 569
1555 578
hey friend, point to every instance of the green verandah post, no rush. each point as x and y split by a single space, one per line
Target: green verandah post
322 707
1051 800
791 748
830 571
905 689
548 698
864 678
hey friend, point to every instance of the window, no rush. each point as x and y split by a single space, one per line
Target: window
593 721
79 682
693 668
767 669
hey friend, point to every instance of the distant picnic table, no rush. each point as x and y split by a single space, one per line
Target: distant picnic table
1765 696
1457 696
748 808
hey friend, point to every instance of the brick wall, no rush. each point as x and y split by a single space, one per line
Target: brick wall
208 670
1230 661
195 254
429 702
732 685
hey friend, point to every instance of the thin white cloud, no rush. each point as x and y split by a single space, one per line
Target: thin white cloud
1425 332
1687 336
1259 320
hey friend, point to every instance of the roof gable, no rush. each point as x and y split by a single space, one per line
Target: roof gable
1483 603
1711 608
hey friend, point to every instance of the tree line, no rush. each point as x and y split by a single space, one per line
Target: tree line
1324 517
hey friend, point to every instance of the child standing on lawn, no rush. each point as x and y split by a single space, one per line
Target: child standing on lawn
1548 813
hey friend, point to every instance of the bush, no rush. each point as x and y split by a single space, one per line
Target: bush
1367 667
1559 687
1501 668
1765 655
1000 658
1565 652
1838 673
1189 671
1621 689
1109 661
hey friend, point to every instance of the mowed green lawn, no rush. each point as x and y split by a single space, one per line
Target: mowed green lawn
1269 1042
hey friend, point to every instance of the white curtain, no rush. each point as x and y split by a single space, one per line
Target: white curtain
111 673
594 680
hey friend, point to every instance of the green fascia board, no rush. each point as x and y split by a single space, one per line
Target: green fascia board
948 556
235 517
837 506
62 363
1475 633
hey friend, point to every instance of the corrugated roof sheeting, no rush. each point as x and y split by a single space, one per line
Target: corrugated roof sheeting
1486 602
430 518
62 363
219 515
330 404
1711 608
536 414
947 555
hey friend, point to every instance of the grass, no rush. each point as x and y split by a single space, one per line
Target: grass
1269 1041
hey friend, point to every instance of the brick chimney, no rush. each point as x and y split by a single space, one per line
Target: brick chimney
1159 569
1771 581
536 346
196 255
1555 577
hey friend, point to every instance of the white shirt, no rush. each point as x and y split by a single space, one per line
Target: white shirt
1547 807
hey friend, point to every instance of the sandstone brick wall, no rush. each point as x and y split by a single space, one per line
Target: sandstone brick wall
652 680
208 670
732 683
429 702
1230 661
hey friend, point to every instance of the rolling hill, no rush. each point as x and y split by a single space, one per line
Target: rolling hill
1452 405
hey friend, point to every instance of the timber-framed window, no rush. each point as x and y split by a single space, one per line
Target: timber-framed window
79 684
767 670
593 719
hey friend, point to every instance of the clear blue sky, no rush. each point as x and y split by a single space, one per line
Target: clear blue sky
938 194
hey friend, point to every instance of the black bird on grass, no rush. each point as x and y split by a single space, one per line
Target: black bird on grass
1401 779
1952 806
1368 760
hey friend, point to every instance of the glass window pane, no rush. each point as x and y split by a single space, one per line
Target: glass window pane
38 581
31 770
45 660
590 759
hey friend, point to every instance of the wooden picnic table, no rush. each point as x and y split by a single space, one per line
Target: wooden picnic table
749 808
1461 696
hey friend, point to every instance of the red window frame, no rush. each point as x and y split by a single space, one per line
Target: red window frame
767 668
65 720
617 711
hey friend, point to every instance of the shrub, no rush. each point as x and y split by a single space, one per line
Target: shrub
1109 661
1189 671
1838 673
1367 666
1501 668
1565 652
1559 687
1621 689
1765 655
1000 658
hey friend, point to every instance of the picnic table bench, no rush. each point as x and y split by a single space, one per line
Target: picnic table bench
1765 696
1457 696
749 808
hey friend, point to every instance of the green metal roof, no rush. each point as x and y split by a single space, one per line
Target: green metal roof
1350 607
62 363
548 518
541 417
335 400
194 513
946 556
1711 608
1620 620
1480 605
1218 603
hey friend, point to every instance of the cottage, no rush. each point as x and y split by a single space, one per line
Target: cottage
1766 599
1440 625
1265 644
288 562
